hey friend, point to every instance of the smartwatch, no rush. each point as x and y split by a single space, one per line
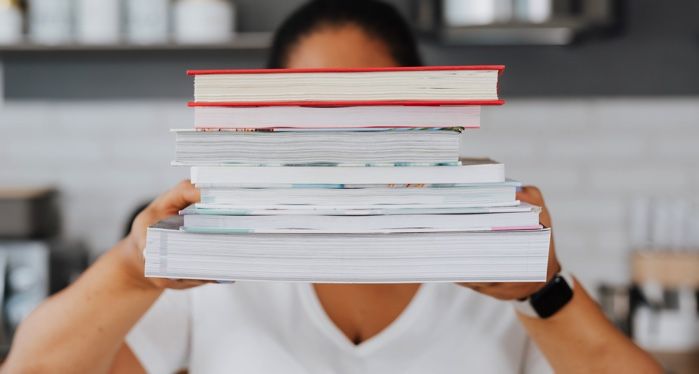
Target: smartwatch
551 298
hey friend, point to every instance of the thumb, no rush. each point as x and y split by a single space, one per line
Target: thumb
176 199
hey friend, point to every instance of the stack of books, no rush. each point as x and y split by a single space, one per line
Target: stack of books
327 175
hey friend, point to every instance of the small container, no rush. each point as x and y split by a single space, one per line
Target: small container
10 22
98 21
147 21
50 21
203 21
533 11
458 13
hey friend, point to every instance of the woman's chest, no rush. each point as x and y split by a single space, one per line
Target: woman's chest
361 311
260 331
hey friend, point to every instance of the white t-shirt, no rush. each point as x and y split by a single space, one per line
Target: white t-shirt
256 327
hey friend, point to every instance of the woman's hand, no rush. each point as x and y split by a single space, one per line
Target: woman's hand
166 205
82 328
511 291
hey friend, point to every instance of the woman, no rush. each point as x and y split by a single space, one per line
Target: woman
115 320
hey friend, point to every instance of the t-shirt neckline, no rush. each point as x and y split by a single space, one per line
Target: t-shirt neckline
403 322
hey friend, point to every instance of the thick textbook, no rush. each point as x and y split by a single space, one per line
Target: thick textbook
471 171
384 257
430 85
295 147
310 117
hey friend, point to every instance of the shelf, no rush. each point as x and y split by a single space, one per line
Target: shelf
561 33
565 26
242 41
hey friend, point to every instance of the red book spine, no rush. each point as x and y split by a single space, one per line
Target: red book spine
499 68
346 103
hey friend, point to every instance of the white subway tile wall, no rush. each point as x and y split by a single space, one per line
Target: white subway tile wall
590 157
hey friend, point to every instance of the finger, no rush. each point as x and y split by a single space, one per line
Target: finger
505 290
167 204
180 284
477 286
531 195
545 216
176 199
496 290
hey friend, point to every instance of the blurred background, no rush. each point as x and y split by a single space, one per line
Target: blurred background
602 114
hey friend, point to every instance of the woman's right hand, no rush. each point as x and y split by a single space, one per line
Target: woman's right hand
81 329
165 205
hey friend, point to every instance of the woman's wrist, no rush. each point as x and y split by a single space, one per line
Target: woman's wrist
553 269
548 300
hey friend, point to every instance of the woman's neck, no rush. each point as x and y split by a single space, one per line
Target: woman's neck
361 311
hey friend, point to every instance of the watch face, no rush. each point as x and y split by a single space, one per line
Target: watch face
552 297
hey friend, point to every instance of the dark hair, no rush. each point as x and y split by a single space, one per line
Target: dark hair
378 19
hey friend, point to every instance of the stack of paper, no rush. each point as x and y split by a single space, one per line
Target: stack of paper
378 196
361 117
370 147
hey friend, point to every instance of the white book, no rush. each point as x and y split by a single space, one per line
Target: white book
478 195
457 256
399 116
470 172
363 210
327 148
214 221
395 85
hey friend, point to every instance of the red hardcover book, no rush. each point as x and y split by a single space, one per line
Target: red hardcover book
332 87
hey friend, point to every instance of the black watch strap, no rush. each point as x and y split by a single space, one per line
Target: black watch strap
551 298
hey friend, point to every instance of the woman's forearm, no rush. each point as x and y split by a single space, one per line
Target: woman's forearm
580 339
82 328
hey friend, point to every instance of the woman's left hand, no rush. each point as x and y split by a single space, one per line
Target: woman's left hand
521 290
